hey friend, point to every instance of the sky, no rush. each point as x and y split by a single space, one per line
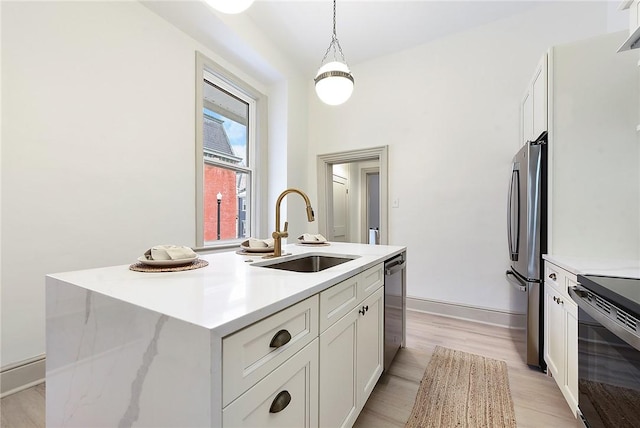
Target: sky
237 134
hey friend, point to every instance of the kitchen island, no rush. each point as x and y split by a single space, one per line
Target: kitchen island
129 348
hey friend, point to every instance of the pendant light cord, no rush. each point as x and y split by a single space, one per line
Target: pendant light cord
334 41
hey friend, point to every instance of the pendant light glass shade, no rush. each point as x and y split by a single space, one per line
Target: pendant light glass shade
334 83
230 6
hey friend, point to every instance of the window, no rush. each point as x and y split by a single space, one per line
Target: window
226 153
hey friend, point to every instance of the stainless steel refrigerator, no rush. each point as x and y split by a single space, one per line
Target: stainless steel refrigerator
527 232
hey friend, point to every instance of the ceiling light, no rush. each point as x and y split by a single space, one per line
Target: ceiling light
230 6
334 82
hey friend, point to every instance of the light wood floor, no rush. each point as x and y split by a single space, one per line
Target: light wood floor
538 402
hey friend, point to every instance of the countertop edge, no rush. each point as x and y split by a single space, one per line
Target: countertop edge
592 266
241 320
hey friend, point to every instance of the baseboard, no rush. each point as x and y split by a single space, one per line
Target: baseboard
470 313
23 375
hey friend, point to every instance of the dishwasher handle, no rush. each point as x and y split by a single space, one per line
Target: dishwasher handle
394 267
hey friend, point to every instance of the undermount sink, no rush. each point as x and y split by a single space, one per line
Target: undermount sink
307 262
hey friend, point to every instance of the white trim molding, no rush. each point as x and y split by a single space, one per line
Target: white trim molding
22 375
470 313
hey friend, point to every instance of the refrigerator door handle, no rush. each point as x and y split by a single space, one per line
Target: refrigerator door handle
514 217
516 282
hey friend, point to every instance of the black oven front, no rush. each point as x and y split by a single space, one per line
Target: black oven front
608 352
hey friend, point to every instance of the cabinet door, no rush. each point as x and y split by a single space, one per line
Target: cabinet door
539 93
288 397
337 301
571 311
370 348
526 117
338 401
370 280
554 329
251 353
533 107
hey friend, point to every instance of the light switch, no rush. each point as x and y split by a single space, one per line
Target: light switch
395 203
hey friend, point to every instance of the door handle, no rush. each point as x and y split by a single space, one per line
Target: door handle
516 282
514 241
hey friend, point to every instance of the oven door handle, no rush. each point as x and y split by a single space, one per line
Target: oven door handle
579 294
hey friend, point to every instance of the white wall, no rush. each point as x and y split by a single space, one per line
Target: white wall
449 112
98 159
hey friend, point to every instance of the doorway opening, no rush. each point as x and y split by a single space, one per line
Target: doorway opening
352 196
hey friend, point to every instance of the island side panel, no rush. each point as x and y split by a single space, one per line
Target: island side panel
111 363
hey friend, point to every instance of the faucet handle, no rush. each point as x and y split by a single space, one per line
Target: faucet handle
286 226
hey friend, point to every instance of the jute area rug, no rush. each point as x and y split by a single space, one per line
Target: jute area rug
463 390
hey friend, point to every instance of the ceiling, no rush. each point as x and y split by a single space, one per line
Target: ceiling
368 29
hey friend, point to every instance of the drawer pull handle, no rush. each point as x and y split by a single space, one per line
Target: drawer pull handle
281 338
281 401
552 276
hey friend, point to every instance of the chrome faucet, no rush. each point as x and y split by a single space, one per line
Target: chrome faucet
278 235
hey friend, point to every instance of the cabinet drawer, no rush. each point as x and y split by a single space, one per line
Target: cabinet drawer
337 301
370 280
249 355
288 397
560 278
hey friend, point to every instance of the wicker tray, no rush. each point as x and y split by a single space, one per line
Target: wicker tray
196 264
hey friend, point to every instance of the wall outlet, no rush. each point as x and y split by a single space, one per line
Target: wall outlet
395 203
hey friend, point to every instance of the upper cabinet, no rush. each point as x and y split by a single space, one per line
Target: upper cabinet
633 41
534 108
593 167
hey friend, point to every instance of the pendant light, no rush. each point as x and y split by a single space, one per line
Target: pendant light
230 6
334 82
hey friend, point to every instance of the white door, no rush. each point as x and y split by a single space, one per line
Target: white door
372 205
340 232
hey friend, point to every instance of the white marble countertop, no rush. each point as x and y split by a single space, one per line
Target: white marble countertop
607 267
230 293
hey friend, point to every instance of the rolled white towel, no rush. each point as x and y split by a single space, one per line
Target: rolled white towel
310 237
260 243
169 252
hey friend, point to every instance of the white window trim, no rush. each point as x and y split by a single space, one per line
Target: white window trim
206 67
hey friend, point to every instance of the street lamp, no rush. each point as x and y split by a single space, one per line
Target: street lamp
219 197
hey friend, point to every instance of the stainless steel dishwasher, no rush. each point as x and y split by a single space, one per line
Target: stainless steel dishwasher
394 306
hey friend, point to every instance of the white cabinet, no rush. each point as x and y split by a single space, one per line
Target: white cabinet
351 353
633 41
561 332
370 345
338 359
593 113
312 364
288 397
252 353
534 106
